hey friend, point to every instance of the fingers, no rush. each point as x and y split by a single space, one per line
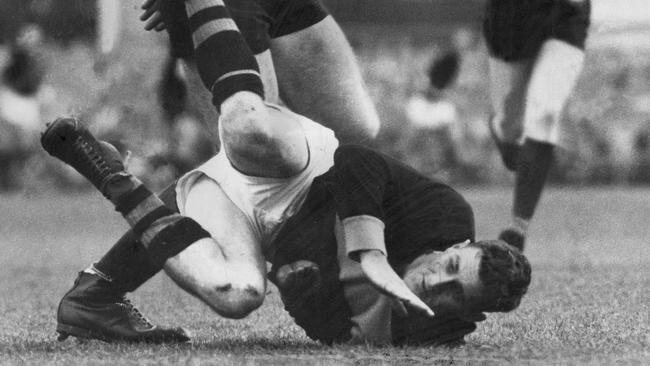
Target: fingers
382 275
148 12
152 16
160 27
148 4
403 293
154 21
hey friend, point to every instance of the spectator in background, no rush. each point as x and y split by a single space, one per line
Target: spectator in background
20 105
640 173
188 143
432 117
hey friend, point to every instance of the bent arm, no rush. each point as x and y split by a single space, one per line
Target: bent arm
361 181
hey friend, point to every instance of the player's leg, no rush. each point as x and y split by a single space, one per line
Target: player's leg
226 271
162 232
258 140
321 56
508 81
554 77
95 307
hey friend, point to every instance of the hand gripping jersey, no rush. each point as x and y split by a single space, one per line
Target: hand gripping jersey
266 202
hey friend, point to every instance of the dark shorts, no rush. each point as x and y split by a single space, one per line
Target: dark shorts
258 20
516 29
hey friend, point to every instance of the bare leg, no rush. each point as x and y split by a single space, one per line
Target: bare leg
508 83
226 271
319 77
553 79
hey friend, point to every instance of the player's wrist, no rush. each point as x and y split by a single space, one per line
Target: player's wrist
370 254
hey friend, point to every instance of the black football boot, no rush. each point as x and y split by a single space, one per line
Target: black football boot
70 141
514 238
93 309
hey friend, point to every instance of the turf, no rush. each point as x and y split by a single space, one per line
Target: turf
588 302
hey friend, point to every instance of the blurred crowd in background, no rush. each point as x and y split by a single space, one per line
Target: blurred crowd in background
428 81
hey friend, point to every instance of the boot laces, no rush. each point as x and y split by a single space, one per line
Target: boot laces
92 158
135 313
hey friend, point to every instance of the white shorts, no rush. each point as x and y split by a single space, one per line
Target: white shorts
266 202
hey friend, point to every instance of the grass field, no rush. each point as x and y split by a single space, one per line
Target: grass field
588 303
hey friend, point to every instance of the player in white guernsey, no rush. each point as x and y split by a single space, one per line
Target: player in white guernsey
232 205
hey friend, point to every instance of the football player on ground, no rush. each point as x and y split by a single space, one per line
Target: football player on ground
369 217
367 208
260 177
225 266
536 53
239 198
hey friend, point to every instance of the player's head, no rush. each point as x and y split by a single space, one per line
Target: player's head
505 275
467 278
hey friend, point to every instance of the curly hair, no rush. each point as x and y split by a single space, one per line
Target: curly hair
505 274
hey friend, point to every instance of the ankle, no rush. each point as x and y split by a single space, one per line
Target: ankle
92 270
519 225
119 185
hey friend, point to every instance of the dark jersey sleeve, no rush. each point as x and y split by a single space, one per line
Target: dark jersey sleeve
360 180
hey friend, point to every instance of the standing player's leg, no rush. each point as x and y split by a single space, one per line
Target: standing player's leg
319 77
258 140
553 78
508 82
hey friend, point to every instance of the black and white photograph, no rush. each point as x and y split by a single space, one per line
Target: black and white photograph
325 182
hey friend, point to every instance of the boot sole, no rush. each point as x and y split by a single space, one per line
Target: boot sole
66 331
69 330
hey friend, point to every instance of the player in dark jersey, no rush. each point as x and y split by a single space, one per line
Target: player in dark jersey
392 221
303 55
423 228
195 258
536 53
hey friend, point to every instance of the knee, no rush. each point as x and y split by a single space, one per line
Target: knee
508 126
243 117
245 128
542 124
232 301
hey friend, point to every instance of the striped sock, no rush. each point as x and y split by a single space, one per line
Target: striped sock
162 231
225 63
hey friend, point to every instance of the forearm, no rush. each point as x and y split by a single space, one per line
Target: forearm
361 234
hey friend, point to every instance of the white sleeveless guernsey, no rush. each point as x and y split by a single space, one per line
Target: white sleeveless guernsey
266 202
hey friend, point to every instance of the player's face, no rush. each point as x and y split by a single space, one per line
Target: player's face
446 280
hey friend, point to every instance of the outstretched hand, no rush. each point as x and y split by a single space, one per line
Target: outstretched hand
376 267
152 16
